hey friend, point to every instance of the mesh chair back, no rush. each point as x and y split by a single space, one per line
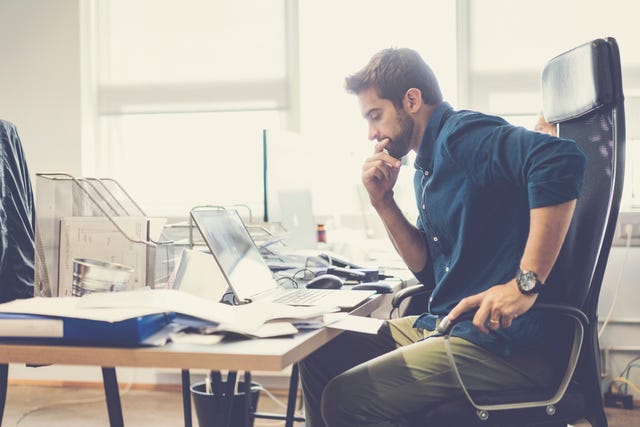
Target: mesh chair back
597 126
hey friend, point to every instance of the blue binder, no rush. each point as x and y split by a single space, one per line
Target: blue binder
150 329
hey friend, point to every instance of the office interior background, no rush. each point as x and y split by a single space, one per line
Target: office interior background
171 98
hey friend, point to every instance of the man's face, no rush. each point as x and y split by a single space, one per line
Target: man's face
386 121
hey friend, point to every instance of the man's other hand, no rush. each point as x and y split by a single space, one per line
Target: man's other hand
497 306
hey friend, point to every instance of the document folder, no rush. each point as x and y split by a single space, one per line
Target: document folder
151 329
60 321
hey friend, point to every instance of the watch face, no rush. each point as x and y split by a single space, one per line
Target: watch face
527 282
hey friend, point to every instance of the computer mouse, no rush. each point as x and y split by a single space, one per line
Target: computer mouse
325 281
379 287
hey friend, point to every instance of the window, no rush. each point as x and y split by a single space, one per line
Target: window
184 89
182 92
337 38
508 47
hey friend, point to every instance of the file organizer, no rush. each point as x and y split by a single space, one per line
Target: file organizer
95 218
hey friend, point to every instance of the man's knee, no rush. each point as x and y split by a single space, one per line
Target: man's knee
335 401
345 400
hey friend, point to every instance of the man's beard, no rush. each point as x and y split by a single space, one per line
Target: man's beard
400 144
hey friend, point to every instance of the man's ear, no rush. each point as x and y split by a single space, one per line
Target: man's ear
413 99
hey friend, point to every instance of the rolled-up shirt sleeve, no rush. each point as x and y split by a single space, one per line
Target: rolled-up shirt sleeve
554 173
550 169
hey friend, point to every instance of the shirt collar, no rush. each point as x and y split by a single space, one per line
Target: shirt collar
425 150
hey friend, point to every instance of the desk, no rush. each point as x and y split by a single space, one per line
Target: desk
273 354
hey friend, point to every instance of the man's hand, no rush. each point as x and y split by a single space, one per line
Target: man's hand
497 306
380 173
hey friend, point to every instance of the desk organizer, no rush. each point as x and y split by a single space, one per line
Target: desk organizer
95 218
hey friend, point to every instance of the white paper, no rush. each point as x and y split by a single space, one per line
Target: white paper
268 330
247 318
70 307
183 337
347 322
178 302
198 274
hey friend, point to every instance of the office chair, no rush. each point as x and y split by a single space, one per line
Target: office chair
16 220
582 95
16 217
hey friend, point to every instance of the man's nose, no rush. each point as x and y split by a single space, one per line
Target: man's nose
373 133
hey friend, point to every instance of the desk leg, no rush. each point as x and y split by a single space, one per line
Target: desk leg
293 394
4 384
112 394
186 397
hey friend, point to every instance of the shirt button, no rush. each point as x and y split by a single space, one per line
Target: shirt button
424 207
446 269
430 299
426 173
435 238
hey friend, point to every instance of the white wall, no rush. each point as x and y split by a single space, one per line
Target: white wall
40 80
621 337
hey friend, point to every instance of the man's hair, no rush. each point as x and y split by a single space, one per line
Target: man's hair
391 72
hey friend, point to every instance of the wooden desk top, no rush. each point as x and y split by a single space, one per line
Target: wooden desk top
272 354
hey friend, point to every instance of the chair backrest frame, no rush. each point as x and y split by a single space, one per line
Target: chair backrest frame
596 122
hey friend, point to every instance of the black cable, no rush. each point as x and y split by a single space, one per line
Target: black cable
295 284
304 271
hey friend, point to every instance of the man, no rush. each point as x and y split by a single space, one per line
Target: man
495 202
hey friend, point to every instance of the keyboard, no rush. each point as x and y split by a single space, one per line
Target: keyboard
302 296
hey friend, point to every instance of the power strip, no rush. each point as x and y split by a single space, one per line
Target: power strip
617 400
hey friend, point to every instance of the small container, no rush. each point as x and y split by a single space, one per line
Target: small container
90 275
211 411
322 233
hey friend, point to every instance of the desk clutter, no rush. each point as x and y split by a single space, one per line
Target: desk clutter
112 280
149 317
106 273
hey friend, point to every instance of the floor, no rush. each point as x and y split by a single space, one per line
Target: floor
45 406
40 406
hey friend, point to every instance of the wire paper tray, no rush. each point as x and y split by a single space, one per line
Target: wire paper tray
261 233
95 218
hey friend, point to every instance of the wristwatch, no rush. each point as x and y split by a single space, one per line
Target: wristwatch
528 282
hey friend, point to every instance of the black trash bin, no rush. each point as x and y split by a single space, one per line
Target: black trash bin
210 408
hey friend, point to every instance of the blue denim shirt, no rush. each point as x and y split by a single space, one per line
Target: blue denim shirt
476 179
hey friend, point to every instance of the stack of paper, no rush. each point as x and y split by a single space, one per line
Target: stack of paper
143 317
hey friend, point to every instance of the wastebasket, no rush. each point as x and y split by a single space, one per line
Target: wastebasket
210 407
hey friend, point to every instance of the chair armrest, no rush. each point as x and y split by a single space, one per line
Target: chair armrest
407 292
580 321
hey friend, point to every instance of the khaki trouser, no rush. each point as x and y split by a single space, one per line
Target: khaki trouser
379 380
